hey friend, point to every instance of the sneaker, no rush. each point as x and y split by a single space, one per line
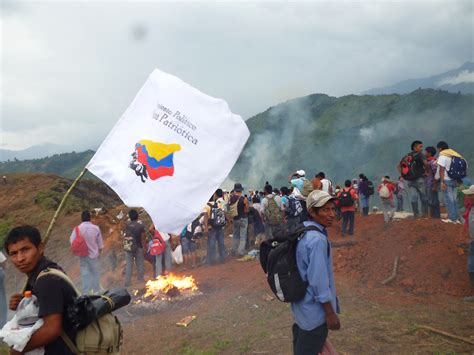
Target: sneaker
447 220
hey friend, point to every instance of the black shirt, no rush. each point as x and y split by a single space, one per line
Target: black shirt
240 206
54 296
136 230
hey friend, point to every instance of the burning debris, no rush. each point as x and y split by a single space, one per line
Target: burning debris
165 288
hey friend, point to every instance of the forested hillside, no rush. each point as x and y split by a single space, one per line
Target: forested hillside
68 165
352 134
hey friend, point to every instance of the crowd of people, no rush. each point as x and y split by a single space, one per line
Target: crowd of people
259 215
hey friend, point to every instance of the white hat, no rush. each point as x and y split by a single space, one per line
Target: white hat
301 172
469 191
318 198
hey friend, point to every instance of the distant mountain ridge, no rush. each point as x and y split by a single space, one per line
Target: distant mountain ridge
456 80
33 152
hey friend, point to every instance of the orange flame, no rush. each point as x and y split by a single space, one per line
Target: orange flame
164 283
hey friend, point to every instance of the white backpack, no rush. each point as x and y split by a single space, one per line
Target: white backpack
384 191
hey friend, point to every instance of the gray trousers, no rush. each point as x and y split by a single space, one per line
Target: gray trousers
239 236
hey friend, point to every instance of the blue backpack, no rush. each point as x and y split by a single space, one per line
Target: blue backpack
458 169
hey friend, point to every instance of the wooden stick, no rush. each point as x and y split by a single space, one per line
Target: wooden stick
446 334
394 272
61 205
343 244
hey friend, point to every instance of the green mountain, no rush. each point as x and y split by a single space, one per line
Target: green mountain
68 165
350 135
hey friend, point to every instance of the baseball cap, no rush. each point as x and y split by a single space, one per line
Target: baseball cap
301 172
469 191
318 198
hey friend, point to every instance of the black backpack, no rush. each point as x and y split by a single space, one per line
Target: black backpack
346 200
278 261
370 188
411 166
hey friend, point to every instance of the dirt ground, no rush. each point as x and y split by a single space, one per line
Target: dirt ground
234 315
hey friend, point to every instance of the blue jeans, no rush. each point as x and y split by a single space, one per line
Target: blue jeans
400 202
3 299
159 260
216 235
90 274
388 207
348 217
139 259
450 199
239 236
364 201
417 189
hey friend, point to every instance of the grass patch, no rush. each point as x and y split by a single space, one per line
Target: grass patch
5 226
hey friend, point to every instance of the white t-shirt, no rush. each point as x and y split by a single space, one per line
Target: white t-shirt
325 185
445 162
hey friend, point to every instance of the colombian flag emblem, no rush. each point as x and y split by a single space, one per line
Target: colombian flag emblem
153 159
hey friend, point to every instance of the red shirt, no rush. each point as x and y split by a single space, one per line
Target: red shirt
390 188
354 196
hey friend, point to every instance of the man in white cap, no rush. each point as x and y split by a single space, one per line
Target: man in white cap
317 312
469 193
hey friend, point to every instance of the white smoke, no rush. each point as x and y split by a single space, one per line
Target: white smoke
465 76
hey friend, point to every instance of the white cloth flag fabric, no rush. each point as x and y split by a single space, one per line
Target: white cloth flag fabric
170 150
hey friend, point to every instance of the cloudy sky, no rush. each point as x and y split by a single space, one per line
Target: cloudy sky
70 69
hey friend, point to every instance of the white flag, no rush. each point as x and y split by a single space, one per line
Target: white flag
170 150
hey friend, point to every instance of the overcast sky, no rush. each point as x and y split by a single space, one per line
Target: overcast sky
70 69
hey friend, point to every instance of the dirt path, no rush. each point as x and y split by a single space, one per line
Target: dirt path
233 318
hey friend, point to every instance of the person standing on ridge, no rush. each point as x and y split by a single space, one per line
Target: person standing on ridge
134 237
317 311
90 264
302 187
347 200
365 190
469 224
386 190
412 167
431 183
239 209
399 191
448 185
274 214
326 184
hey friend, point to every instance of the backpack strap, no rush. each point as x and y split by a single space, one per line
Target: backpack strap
59 273
69 343
50 271
78 233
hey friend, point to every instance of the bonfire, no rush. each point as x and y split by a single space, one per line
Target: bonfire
166 288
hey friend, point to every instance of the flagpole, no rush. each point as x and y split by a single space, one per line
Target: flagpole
61 205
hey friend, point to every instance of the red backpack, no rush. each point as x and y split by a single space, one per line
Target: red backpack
158 244
79 245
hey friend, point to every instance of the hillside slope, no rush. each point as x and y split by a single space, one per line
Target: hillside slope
67 165
352 134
